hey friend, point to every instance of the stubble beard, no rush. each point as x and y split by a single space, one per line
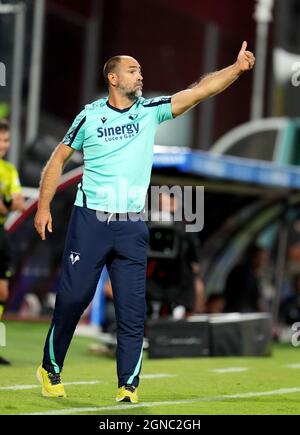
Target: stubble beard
132 95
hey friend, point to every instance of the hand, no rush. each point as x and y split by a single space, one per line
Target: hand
245 60
42 219
3 210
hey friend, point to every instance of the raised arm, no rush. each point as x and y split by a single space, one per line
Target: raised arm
212 84
48 185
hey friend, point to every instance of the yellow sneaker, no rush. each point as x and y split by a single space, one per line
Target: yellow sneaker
127 393
51 384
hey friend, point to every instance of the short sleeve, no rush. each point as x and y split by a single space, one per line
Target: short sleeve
15 185
162 108
75 135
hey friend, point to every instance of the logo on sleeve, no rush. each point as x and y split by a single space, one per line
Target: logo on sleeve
68 136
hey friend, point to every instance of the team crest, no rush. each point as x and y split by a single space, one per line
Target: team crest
74 257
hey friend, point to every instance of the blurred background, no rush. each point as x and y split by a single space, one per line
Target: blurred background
243 146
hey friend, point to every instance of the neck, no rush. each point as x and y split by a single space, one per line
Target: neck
120 101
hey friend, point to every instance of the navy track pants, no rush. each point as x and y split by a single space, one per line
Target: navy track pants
90 244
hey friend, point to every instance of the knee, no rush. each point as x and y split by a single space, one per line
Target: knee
72 304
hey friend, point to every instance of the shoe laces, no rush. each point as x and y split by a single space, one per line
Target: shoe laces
130 388
54 378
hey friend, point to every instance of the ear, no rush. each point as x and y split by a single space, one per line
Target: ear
113 78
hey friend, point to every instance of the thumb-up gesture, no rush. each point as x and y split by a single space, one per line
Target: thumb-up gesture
245 59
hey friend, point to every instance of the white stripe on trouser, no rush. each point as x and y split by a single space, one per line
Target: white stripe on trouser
137 368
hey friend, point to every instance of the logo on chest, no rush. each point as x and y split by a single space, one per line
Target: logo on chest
119 132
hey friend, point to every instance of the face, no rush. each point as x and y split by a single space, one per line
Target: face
4 143
128 79
297 284
294 252
216 306
261 259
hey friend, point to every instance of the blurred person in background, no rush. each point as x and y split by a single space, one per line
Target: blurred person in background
174 285
290 306
11 199
292 266
116 135
215 304
110 321
243 286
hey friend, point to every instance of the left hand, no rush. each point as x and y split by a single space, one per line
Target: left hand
245 60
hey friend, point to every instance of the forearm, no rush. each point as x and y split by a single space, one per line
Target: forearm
49 182
208 86
215 83
17 203
3 209
51 175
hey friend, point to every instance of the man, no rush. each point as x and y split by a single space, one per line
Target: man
243 285
10 199
116 135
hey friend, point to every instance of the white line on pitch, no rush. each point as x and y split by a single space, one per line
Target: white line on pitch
292 366
29 387
281 391
157 376
230 370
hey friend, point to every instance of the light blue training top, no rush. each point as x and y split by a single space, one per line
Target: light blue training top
117 148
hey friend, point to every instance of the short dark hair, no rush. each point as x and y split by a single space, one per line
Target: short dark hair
4 125
253 251
110 66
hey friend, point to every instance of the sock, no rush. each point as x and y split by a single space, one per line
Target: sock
1 309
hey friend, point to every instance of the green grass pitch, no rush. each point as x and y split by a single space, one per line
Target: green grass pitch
267 386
